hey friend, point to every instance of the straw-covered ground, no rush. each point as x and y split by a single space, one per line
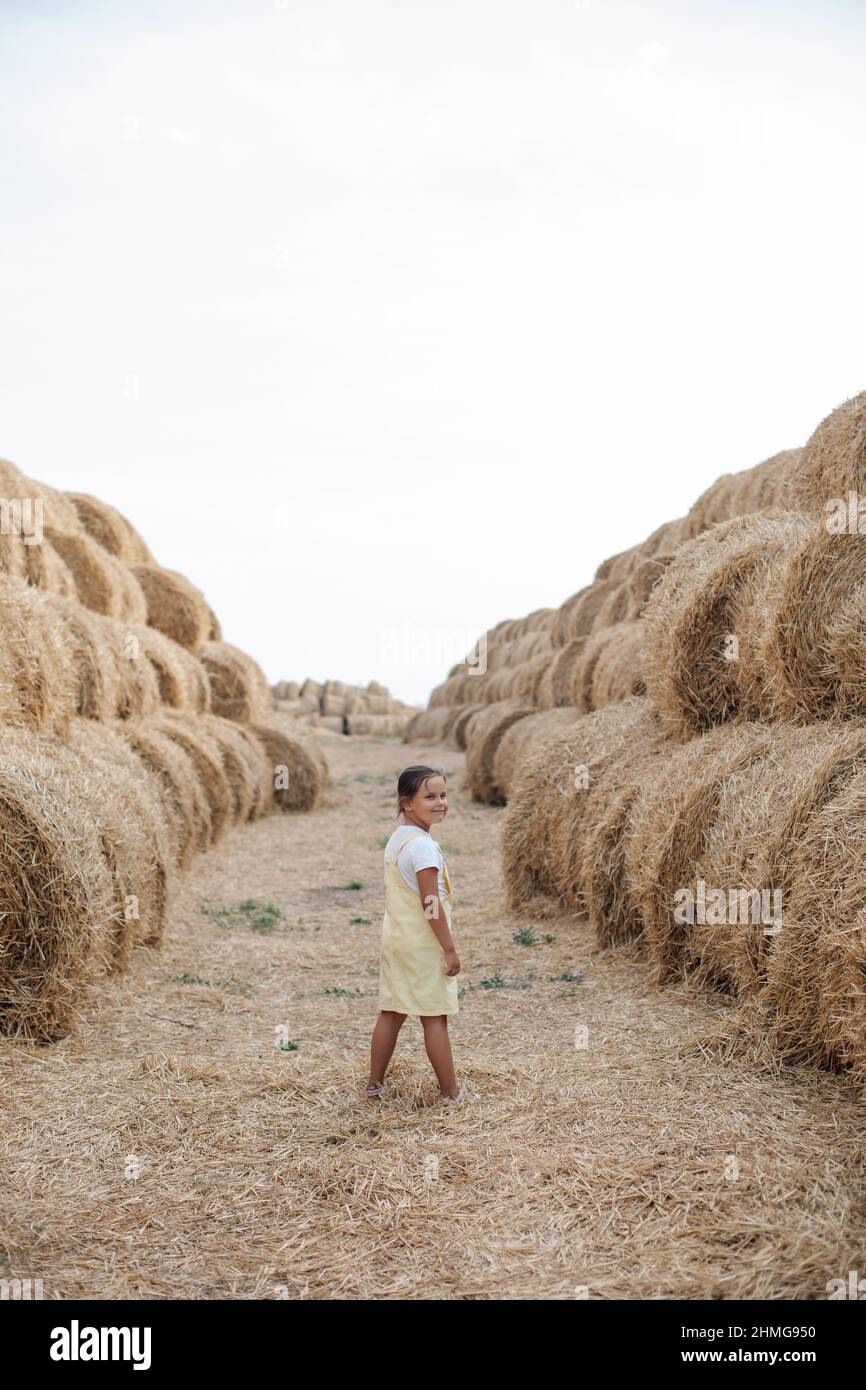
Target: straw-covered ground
169 1148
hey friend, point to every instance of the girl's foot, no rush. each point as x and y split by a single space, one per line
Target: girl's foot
374 1090
461 1096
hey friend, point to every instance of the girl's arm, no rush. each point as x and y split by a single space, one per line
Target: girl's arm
428 890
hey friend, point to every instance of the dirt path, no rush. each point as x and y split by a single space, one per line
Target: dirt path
171 1149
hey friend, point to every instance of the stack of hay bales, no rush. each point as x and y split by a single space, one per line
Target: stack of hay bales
131 738
344 709
716 822
605 643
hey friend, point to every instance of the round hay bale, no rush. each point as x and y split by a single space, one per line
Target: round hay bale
103 584
190 734
134 837
56 924
174 605
544 825
582 615
44 569
167 659
94 666
664 541
295 763
38 686
182 792
238 686
645 576
813 1007
261 774
110 529
618 607
833 461
58 513
335 723
713 505
524 738
431 725
332 706
617 567
311 688
460 725
137 684
10 479
246 776
487 730
696 609
617 673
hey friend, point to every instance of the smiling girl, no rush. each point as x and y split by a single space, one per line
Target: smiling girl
419 964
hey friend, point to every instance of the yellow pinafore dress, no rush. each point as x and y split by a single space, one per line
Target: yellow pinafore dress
412 977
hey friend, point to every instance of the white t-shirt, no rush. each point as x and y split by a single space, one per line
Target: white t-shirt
421 852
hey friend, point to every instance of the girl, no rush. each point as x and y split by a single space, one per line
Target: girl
419 965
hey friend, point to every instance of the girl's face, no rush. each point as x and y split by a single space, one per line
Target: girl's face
429 805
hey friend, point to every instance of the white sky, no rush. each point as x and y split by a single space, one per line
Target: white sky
386 321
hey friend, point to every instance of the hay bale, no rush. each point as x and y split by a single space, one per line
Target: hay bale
238 686
93 664
713 505
578 614
833 461
431 725
583 670
487 730
190 734
645 577
246 773
38 685
298 770
617 673
544 825
110 529
182 792
173 666
134 835
332 706
174 605
44 569
335 723
813 1007
729 811
137 684
461 722
524 738
56 925
380 725
58 513
697 607
619 607
250 747
102 583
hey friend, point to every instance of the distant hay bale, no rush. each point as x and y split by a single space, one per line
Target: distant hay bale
332 705
544 826
696 609
174 605
38 685
374 688
580 612
713 505
238 686
833 461
190 734
619 606
431 725
182 790
556 688
768 484
336 723
56 924
618 671
380 725
137 684
617 567
110 529
524 738
487 731
102 583
645 576
296 764
248 746
310 687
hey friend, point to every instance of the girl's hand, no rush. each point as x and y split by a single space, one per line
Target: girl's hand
452 963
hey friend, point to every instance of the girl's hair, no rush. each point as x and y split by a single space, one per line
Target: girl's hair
410 779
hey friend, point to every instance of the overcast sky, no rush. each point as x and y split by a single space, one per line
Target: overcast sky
384 322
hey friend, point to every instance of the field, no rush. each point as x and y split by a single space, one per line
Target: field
201 1134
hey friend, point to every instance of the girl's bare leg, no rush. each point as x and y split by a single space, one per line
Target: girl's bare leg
438 1045
388 1025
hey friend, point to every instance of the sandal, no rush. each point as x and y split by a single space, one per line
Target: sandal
462 1095
374 1092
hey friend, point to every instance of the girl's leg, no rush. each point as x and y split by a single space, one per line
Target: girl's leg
388 1025
438 1045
